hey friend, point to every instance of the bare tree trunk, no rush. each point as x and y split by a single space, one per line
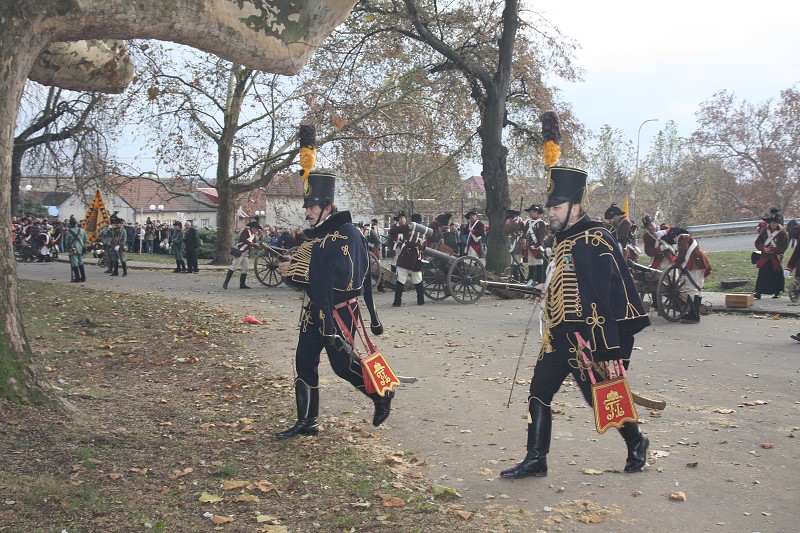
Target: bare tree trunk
226 215
495 178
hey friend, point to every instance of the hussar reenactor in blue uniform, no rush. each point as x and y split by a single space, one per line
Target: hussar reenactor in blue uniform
119 245
591 313
75 241
176 243
332 267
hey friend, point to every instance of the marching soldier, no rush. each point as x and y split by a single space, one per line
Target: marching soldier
118 243
591 313
247 239
409 260
772 242
535 233
332 267
75 242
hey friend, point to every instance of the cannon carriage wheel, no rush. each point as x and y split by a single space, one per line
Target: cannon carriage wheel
434 280
375 271
794 289
672 294
266 268
464 279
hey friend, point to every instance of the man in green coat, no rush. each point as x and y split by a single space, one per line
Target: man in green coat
176 242
75 243
119 240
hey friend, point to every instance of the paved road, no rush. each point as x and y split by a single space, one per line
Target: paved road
727 439
729 243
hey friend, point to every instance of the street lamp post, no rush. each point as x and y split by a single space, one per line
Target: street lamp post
636 172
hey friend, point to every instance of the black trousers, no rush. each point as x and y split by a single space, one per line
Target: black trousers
553 368
311 344
191 260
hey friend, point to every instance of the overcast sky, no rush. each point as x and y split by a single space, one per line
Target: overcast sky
646 60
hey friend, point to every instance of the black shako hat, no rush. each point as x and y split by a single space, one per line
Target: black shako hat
774 217
416 218
612 211
444 218
565 185
321 188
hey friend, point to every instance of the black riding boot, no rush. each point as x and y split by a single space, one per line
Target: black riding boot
183 267
539 430
383 406
177 267
693 316
83 272
228 277
76 277
398 294
637 446
420 293
110 268
242 279
307 399
115 267
124 269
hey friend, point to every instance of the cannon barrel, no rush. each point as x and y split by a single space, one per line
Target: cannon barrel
436 254
421 228
643 268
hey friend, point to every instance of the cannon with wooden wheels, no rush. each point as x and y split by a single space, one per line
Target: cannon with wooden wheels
672 293
266 263
794 289
446 275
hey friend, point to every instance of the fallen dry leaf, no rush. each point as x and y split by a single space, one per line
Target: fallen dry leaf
115 475
231 484
677 496
466 515
217 519
209 498
247 498
767 445
392 501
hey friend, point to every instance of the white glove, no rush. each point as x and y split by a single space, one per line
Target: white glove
787 273
116 248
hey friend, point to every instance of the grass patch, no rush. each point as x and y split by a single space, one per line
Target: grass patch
173 405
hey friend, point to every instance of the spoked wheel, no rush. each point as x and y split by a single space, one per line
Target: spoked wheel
266 267
375 272
672 294
464 279
794 289
434 280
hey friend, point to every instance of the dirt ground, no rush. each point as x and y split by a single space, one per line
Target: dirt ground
723 454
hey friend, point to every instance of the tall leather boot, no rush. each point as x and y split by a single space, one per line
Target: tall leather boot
76 277
83 273
637 445
177 267
242 279
398 294
110 268
420 293
228 277
307 399
383 406
693 316
539 431
115 266
124 269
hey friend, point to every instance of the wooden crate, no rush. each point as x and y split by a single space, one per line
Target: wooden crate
739 299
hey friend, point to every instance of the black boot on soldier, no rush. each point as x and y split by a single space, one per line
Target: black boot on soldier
115 267
228 277
177 267
420 293
398 294
242 279
383 406
124 269
693 316
83 273
539 430
307 399
637 445
76 276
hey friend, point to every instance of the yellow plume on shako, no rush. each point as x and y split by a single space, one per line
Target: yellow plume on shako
551 137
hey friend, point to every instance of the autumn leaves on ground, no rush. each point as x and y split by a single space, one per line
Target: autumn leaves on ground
175 433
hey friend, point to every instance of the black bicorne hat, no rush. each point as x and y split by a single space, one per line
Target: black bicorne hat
444 218
535 207
565 184
469 214
321 188
416 218
400 214
512 213
647 220
177 223
613 211
773 217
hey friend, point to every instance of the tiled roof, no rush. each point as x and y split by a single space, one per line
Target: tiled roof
140 194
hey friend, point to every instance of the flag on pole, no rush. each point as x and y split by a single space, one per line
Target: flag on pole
625 206
96 218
